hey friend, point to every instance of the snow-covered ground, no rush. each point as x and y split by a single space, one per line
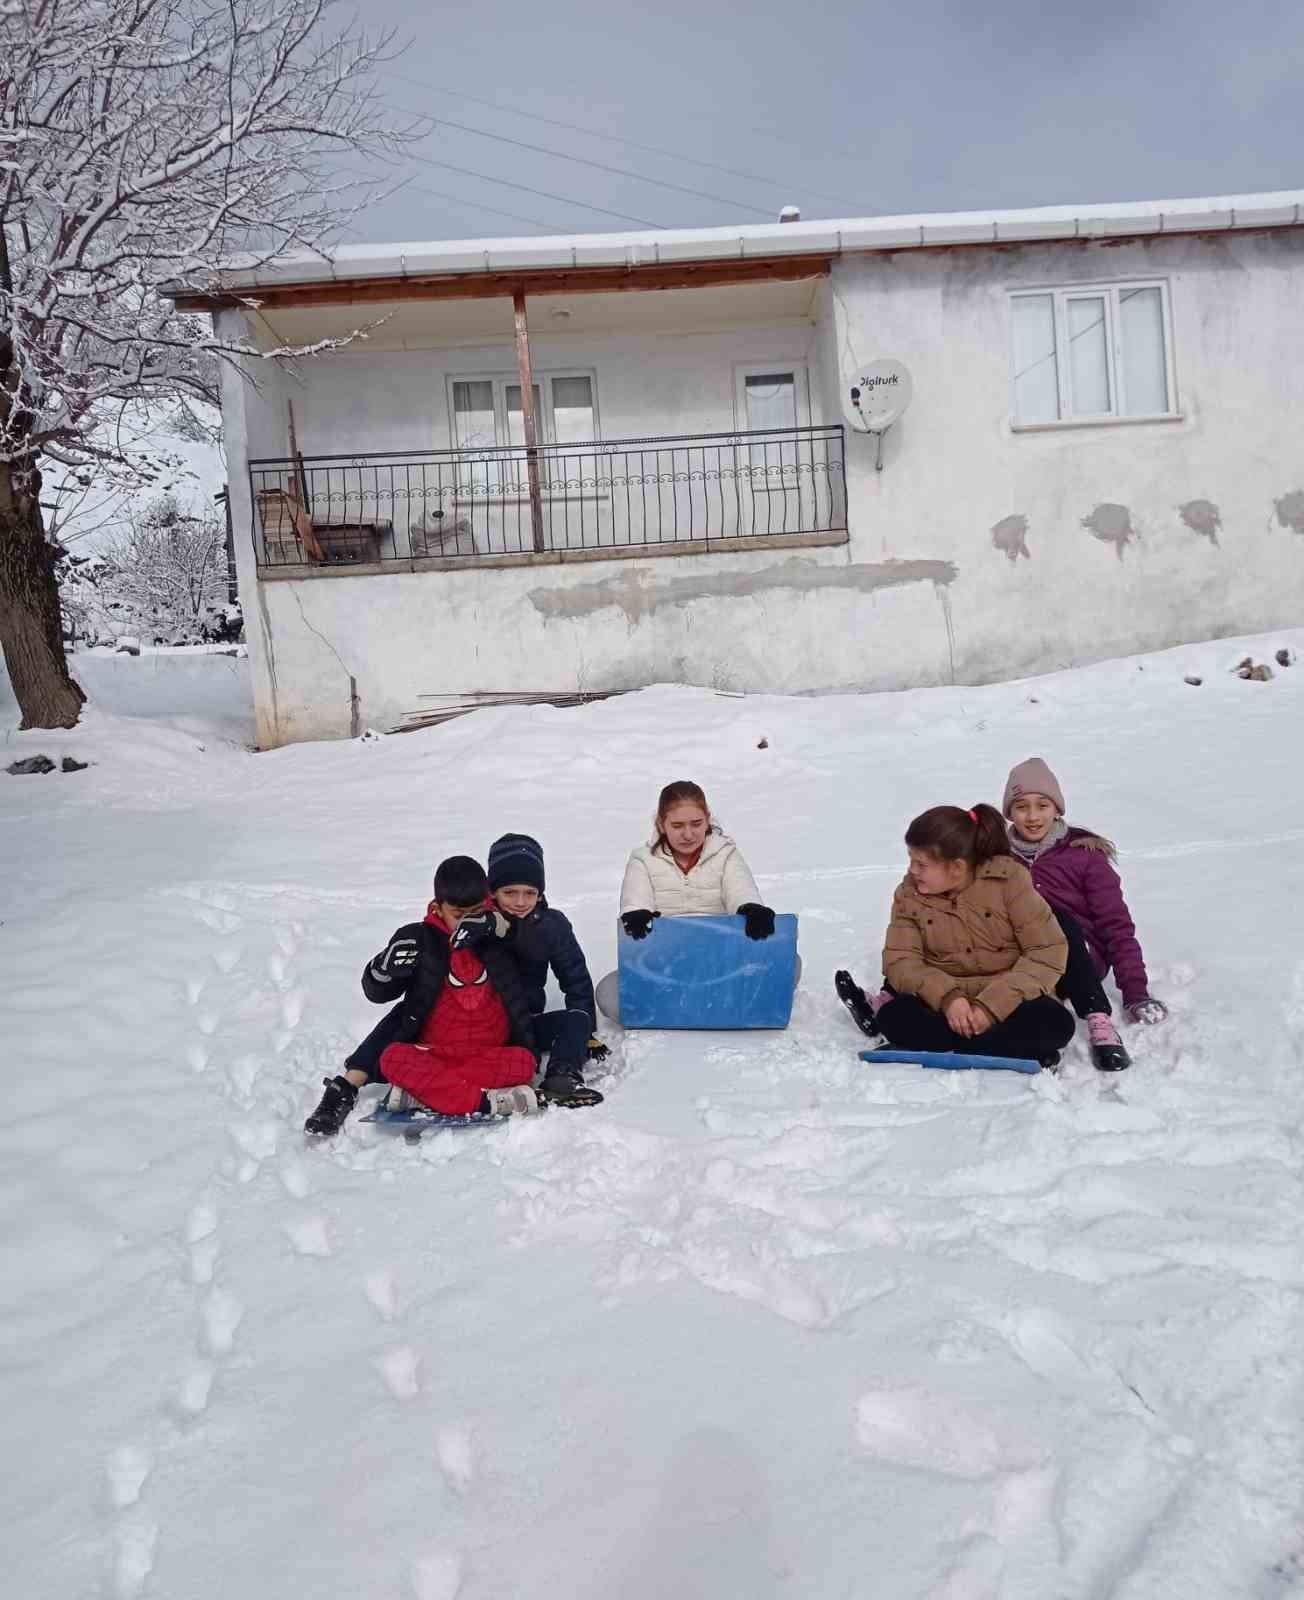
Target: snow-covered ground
769 1322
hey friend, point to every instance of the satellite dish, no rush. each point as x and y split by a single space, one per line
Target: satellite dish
878 394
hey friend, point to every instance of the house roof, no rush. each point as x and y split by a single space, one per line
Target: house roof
649 248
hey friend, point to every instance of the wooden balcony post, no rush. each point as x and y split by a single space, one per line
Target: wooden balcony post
528 418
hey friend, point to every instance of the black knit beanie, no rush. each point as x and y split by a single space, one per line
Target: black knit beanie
516 858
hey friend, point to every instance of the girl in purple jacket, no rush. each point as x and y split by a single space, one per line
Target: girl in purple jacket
1073 869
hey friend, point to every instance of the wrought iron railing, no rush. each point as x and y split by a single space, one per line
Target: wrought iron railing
620 495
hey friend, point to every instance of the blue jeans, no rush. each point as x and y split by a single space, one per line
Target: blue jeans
563 1036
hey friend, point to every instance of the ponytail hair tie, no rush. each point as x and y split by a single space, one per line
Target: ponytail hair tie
973 816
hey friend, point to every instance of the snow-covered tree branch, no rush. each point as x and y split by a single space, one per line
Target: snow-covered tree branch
140 141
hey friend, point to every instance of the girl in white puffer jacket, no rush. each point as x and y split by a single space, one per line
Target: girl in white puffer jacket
689 868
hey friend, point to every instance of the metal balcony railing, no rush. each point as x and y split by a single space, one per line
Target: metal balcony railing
620 495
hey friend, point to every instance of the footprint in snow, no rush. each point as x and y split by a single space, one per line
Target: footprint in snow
203 1259
256 1140
292 1008
196 1057
133 1561
977 1574
455 1451
226 958
916 1427
382 1290
201 1237
195 988
294 1179
310 1236
202 1219
207 1022
288 938
243 1074
222 1314
437 1576
193 1392
277 967
401 1370
127 1469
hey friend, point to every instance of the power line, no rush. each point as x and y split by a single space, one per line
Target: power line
583 161
507 183
461 200
599 133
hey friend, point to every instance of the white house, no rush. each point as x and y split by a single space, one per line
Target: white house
583 464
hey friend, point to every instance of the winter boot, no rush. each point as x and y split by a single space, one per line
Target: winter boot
854 998
565 1086
518 1102
339 1099
1106 1047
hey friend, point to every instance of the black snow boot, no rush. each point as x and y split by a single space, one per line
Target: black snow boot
857 1003
1107 1050
565 1086
329 1117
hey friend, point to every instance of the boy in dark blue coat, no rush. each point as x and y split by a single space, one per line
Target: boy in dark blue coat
542 938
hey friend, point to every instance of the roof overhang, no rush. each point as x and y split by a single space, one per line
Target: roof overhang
691 257
489 285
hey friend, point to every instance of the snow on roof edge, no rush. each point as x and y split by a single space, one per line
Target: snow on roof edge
834 236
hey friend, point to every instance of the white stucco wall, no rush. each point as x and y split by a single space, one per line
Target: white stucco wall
921 594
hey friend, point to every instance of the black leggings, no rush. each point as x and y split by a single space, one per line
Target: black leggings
1032 1031
1080 985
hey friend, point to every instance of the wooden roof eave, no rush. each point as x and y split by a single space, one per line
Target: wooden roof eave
493 285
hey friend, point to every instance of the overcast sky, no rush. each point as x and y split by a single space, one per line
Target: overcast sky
855 108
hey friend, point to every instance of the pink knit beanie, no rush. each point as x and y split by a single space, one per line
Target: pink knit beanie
1032 776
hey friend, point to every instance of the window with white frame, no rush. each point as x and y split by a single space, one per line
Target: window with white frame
1091 353
486 411
773 396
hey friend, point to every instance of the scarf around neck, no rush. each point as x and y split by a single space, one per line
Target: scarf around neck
1028 849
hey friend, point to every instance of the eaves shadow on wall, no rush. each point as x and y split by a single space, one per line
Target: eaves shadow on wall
638 594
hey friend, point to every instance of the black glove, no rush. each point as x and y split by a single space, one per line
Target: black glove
395 961
758 921
638 924
474 930
597 1051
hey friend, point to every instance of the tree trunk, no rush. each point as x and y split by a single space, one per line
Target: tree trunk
29 607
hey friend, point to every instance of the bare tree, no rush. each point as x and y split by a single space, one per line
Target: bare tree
140 141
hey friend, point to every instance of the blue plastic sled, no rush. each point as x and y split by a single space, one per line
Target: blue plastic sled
704 972
953 1060
398 1113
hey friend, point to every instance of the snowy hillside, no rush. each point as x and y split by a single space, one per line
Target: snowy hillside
769 1322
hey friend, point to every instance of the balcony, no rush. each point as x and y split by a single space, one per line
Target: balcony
411 511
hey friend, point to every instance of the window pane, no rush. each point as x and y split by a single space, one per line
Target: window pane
771 400
1141 335
1088 361
572 410
516 421
1036 371
473 415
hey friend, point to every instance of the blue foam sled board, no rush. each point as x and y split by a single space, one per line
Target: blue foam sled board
704 972
414 1123
953 1060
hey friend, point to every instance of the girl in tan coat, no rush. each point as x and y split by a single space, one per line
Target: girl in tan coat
973 953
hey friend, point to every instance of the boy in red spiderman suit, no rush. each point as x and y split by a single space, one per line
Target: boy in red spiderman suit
461 1039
